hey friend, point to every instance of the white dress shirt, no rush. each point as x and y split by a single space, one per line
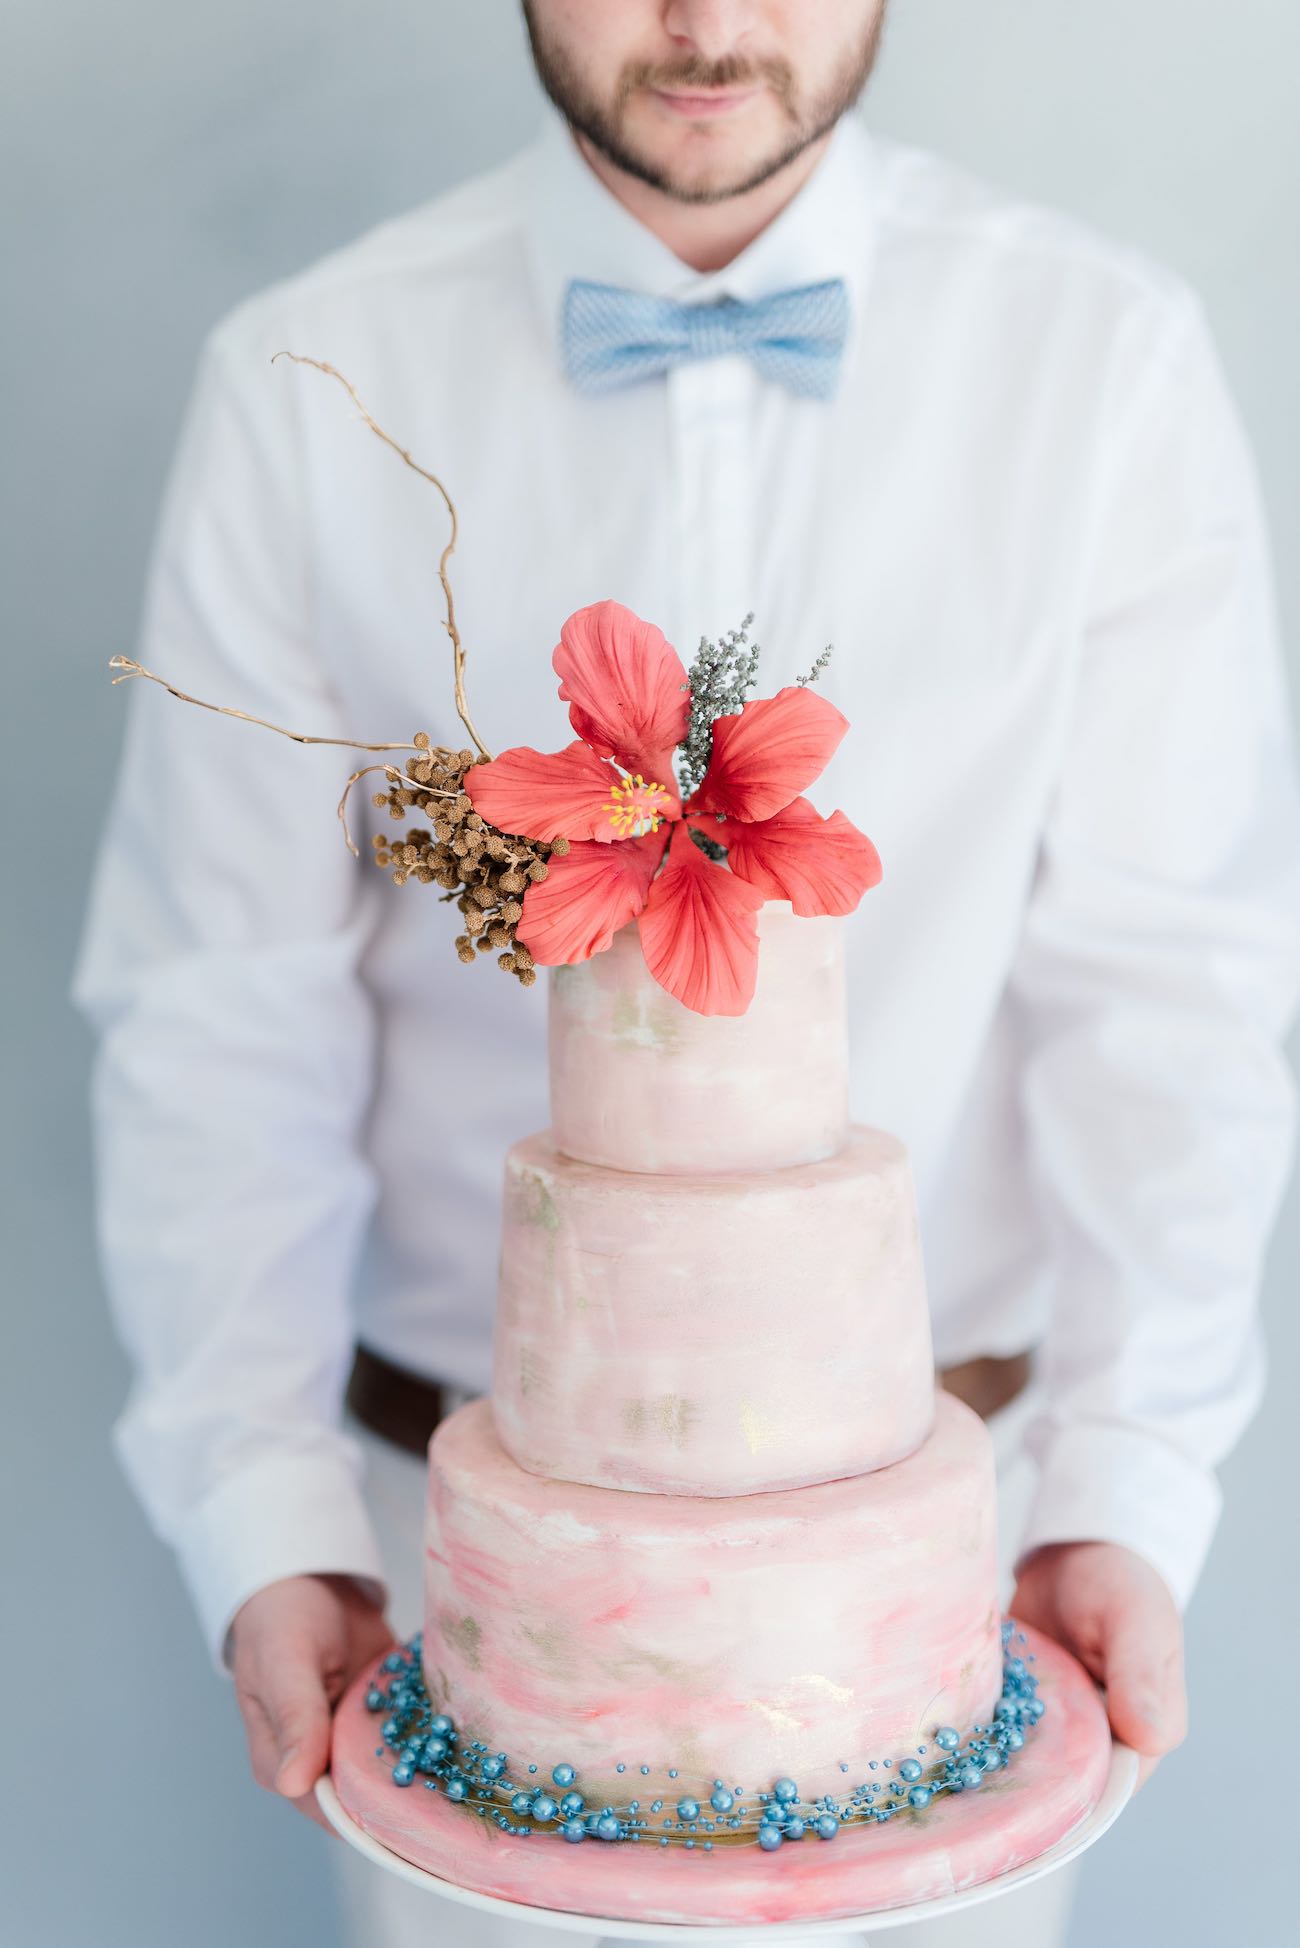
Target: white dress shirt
1028 522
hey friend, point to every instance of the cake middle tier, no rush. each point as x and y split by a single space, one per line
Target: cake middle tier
718 1335
811 1634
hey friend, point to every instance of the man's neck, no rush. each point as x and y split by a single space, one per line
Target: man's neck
707 236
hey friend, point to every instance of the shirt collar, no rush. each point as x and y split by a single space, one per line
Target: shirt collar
578 228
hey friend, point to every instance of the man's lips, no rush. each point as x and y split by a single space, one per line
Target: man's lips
704 102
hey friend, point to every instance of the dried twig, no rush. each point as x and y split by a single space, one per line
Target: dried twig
458 653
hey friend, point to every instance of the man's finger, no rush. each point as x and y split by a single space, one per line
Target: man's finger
1145 1694
300 1723
263 1753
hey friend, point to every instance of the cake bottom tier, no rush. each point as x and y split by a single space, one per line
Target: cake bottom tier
672 1642
1063 1787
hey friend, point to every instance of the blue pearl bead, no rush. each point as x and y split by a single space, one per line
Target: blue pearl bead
794 1828
572 1804
721 1800
607 1827
645 1772
920 1795
785 1789
393 1661
390 1730
521 1802
442 1726
375 1700
574 1830
770 1837
564 1775
544 1807
971 1775
688 1809
402 1775
947 1739
491 1768
827 1826
457 1789
910 1769
991 1760
1015 1738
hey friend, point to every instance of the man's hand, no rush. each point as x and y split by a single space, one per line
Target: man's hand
1112 1609
296 1646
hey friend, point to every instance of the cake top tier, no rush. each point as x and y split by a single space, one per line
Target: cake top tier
640 1082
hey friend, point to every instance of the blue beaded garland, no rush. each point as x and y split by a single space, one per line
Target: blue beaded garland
420 1740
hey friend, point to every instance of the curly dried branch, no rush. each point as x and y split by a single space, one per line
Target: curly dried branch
457 648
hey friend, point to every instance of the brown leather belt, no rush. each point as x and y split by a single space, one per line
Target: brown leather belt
400 1406
404 1407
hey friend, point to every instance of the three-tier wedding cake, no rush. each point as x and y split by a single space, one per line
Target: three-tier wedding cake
714 1570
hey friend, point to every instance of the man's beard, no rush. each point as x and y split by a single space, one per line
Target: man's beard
600 125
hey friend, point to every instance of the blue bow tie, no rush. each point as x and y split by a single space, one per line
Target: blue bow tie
614 338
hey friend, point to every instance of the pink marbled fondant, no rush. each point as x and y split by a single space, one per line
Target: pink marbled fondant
1053 1784
739 1639
639 1082
712 1335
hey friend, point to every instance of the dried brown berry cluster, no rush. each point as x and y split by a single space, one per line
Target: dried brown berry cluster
485 871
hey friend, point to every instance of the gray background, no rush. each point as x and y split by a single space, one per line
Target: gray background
160 161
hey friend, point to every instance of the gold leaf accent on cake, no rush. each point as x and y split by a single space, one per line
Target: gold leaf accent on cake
532 1202
531 1370
670 1416
552 1643
760 1430
641 1022
842 1693
464 1634
780 1721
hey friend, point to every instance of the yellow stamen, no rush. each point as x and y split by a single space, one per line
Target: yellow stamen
636 808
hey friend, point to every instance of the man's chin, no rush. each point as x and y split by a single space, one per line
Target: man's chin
707 160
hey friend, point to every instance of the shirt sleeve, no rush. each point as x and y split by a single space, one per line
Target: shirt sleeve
219 966
1157 972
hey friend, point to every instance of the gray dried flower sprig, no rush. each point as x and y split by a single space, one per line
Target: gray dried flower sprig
719 680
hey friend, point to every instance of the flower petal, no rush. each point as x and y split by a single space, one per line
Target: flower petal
699 933
545 795
586 897
769 753
821 865
625 687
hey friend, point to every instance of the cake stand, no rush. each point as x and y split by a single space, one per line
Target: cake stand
1067 1785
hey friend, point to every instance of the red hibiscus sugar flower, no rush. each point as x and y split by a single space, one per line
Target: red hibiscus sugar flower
632 854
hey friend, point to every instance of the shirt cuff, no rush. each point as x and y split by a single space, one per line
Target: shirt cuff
286 1515
1104 1481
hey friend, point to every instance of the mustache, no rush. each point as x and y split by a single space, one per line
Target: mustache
694 72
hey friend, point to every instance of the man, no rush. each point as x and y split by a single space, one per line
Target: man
1001 471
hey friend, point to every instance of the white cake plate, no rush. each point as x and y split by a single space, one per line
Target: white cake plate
1121 1782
